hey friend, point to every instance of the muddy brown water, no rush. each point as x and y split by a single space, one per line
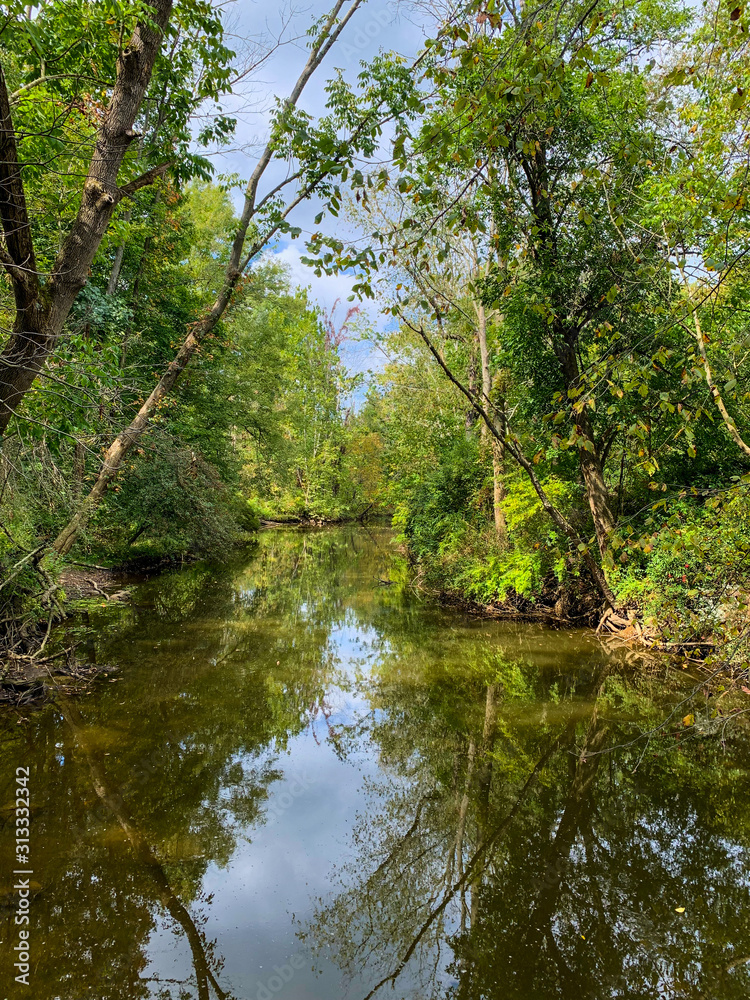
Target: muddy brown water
309 783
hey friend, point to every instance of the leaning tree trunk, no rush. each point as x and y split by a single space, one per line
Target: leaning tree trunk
239 259
117 451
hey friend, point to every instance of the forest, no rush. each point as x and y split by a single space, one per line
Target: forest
544 220
375 500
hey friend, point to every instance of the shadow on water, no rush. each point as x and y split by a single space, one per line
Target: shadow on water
308 783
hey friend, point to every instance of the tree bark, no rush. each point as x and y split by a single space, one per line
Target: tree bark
564 343
589 452
471 414
497 449
498 490
41 311
27 338
598 496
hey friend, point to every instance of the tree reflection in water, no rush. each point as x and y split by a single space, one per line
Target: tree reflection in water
514 849
512 841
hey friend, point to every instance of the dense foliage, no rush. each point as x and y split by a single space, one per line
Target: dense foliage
558 240
257 426
561 240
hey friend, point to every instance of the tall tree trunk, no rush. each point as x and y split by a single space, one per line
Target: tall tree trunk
589 452
471 413
598 495
498 487
565 343
41 311
498 490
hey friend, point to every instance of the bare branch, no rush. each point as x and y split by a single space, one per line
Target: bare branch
328 36
145 179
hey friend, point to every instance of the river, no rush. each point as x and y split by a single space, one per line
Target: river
308 782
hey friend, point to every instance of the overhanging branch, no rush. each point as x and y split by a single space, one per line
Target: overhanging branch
147 178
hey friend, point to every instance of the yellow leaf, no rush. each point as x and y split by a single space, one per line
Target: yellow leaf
688 720
679 909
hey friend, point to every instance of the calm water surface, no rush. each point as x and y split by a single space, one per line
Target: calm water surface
311 785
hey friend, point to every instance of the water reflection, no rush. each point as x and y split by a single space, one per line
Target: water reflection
307 784
514 848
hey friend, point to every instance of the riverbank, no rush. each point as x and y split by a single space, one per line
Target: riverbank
719 654
26 669
572 603
625 623
28 678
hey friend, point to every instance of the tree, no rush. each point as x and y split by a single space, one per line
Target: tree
699 202
549 119
326 155
42 307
